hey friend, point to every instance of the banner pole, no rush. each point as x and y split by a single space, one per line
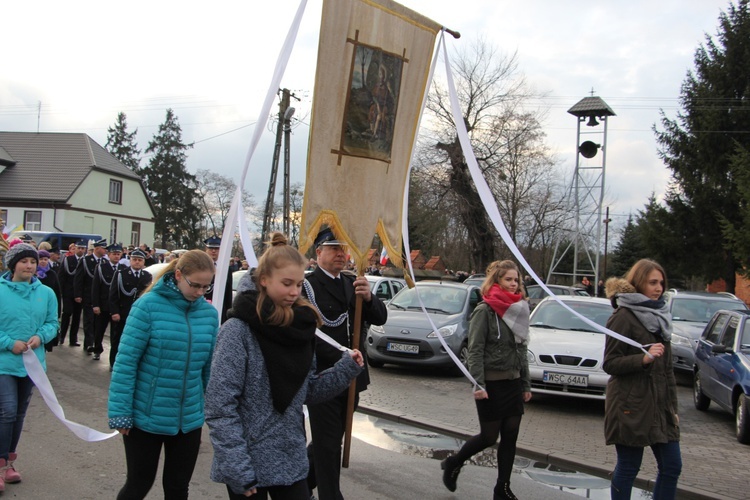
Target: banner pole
353 386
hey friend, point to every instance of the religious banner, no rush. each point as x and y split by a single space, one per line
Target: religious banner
373 66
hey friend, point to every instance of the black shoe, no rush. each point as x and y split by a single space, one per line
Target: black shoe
96 357
90 349
75 344
450 473
502 492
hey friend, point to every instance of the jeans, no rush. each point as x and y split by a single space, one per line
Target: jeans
142 450
669 464
15 394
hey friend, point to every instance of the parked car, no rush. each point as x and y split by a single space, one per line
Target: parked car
60 240
407 337
476 281
385 288
536 293
156 270
690 313
566 354
722 368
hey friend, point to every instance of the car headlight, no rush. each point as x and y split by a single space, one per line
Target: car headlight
445 331
530 357
377 329
681 340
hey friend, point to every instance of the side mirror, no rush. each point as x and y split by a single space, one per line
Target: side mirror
721 349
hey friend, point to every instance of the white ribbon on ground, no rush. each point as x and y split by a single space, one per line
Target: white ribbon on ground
39 377
236 213
490 205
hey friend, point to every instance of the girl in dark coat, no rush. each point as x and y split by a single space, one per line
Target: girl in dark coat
641 401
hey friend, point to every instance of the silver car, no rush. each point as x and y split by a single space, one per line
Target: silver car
407 337
691 311
565 354
385 288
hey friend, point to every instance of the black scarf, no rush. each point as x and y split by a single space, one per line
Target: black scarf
287 350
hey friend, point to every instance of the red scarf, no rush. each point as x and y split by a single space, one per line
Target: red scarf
500 300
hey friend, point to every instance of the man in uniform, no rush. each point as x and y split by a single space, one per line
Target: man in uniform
127 285
82 286
213 244
71 315
105 271
334 293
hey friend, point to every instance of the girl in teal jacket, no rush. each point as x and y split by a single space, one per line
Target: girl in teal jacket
28 320
156 394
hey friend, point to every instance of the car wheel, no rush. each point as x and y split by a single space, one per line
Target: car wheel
743 419
375 364
701 400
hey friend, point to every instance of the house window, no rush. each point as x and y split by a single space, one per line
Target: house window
115 191
113 231
4 216
32 220
135 234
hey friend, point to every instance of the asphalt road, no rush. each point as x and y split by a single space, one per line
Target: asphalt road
568 431
56 464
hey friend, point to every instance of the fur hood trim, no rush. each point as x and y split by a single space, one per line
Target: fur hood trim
618 285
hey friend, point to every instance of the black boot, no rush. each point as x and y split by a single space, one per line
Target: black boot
451 469
502 492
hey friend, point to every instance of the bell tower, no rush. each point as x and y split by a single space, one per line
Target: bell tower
586 193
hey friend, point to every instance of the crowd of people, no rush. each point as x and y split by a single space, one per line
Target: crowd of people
248 370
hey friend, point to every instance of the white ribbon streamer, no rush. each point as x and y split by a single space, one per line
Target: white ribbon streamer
236 211
39 377
326 338
490 205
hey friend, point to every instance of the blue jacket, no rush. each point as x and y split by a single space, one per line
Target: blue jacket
252 441
163 362
26 309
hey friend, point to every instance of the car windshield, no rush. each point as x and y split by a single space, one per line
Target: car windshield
701 310
552 315
745 344
437 299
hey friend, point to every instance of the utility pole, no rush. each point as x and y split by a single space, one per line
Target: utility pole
283 125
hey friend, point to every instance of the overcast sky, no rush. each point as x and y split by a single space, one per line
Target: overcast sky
211 61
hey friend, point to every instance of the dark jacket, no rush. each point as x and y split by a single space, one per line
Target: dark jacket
84 278
641 402
66 275
332 301
101 283
227 303
125 289
496 353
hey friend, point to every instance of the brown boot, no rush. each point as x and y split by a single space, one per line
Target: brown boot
11 475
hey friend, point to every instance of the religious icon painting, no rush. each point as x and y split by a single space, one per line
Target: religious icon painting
372 103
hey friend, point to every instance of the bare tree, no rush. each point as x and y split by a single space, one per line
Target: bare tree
215 193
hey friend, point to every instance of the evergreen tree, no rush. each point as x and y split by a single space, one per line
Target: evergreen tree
697 146
171 187
736 236
121 144
628 251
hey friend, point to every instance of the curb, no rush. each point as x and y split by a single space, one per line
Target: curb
551 457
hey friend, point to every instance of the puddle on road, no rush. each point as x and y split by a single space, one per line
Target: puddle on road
417 442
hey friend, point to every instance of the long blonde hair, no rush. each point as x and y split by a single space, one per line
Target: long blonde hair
192 261
278 255
496 270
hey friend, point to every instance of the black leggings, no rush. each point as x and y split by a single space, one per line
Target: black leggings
142 450
507 428
296 491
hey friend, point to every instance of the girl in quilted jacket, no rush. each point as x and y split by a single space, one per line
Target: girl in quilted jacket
264 371
160 374
641 405
498 336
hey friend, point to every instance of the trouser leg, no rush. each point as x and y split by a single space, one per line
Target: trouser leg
180 455
327 422
142 450
101 321
628 464
669 463
88 327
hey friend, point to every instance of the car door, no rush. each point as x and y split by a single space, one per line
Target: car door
721 365
708 378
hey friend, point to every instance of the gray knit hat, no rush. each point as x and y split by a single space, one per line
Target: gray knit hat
19 251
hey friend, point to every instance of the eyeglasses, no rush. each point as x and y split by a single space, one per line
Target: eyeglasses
198 286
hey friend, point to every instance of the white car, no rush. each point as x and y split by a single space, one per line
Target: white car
565 354
384 287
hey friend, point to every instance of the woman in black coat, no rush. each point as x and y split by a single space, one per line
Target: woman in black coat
48 277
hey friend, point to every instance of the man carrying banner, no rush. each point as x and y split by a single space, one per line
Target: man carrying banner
333 293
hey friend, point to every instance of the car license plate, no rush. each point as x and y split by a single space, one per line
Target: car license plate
566 379
408 348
